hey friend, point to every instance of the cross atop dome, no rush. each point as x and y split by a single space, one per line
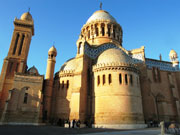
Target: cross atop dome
101 6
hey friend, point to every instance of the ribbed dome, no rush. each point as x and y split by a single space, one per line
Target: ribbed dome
101 15
114 56
52 50
33 71
26 17
70 65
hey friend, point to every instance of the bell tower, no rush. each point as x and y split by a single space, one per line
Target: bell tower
16 60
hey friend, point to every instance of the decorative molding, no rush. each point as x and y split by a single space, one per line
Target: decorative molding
166 66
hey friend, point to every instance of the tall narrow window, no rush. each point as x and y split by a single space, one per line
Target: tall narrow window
114 33
104 79
126 79
120 79
103 31
109 31
67 84
62 84
21 45
131 79
98 80
110 79
25 98
15 45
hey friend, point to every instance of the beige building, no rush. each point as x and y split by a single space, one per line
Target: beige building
104 84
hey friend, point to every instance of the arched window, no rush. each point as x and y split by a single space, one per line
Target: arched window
15 45
109 30
98 80
114 32
67 84
21 44
110 78
25 98
131 79
120 79
126 79
102 28
104 79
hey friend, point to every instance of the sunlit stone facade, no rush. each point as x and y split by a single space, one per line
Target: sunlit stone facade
104 84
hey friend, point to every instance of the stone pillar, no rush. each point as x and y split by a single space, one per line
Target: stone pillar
111 31
25 46
106 29
100 30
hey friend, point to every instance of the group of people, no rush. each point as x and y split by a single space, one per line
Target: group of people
72 124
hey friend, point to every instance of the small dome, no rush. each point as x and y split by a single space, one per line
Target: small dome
173 53
33 71
52 50
26 17
71 65
101 15
114 56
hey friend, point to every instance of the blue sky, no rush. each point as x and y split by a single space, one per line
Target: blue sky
152 23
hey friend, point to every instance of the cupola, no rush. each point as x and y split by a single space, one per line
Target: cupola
101 28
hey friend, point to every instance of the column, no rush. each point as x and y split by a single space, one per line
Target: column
106 29
111 32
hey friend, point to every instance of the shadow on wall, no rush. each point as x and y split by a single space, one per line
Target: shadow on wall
23 106
60 104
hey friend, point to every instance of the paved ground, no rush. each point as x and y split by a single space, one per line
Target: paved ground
54 130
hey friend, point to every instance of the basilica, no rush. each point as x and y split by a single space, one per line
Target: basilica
104 84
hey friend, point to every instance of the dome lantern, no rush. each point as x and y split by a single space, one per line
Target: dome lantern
26 17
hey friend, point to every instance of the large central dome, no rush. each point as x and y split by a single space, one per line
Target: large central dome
101 28
101 15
